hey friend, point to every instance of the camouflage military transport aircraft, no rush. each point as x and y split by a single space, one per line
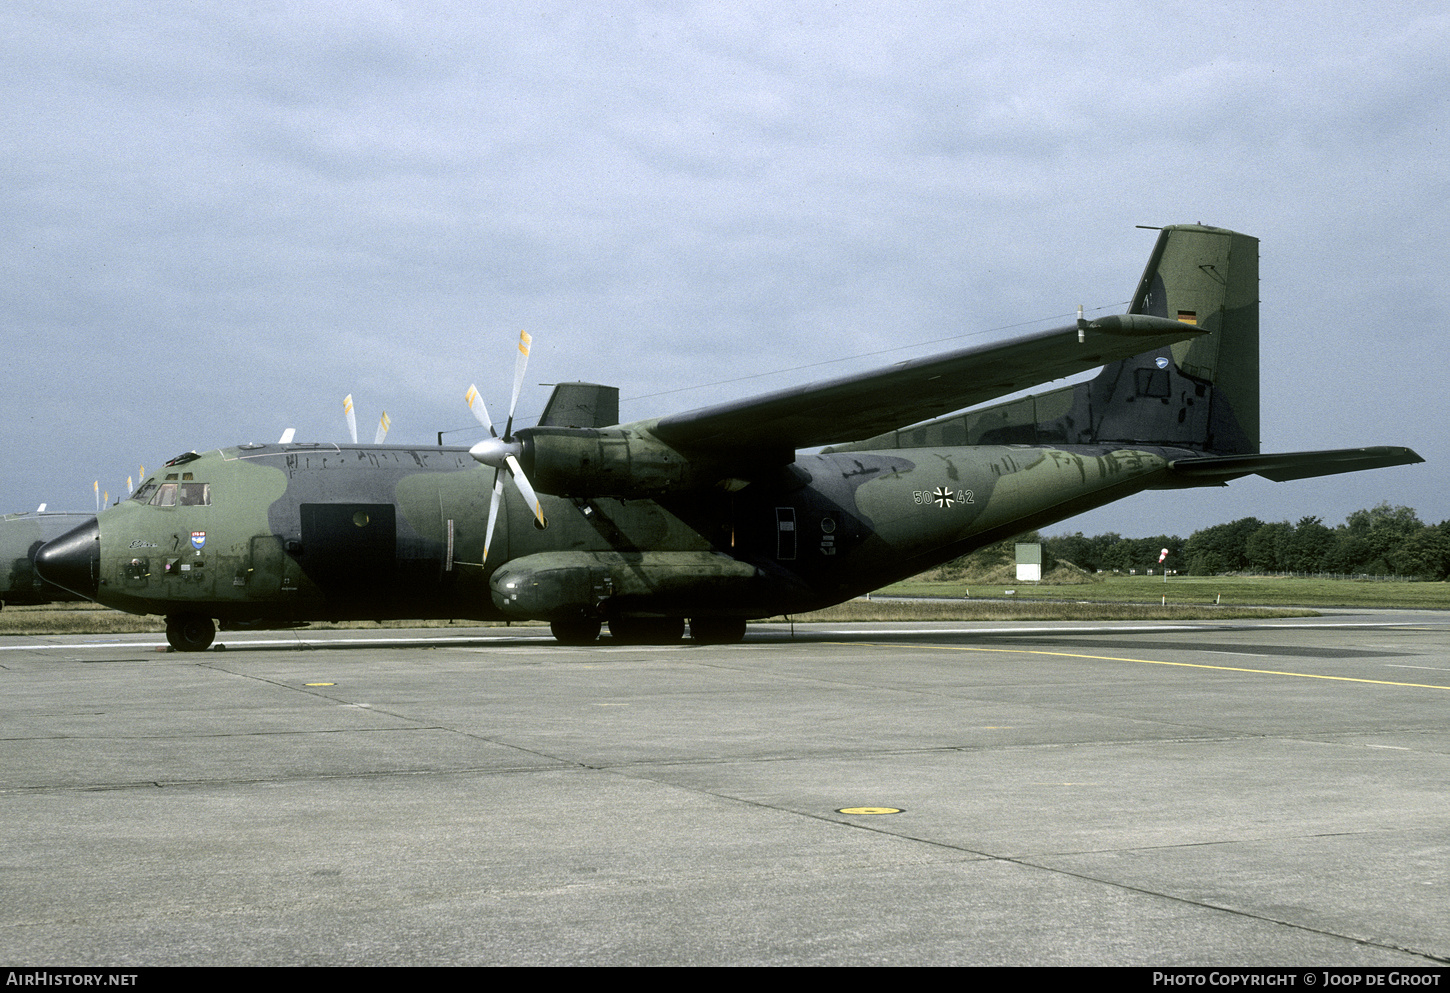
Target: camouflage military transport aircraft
718 515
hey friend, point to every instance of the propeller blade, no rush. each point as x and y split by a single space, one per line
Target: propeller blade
520 364
493 511
383 426
351 417
526 489
475 404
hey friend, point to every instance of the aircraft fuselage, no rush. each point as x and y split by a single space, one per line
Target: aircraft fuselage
287 533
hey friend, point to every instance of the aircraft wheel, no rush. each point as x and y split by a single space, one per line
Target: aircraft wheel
575 630
717 630
647 630
189 632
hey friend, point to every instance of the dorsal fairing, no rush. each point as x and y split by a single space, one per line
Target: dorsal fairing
581 405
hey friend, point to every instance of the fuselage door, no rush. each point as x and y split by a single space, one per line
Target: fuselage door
786 537
348 547
263 575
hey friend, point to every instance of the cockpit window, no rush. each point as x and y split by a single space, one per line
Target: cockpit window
143 493
195 494
181 494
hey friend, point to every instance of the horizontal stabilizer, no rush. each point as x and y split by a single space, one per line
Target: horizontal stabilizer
1289 465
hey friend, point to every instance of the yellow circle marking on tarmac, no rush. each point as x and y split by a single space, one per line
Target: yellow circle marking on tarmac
869 810
1185 665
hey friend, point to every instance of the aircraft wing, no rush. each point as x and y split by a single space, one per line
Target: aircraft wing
859 406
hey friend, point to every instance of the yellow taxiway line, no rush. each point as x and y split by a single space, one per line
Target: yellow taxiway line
1185 665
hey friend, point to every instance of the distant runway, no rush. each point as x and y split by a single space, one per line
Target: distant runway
1240 792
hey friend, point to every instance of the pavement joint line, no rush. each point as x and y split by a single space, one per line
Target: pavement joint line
1026 862
1248 915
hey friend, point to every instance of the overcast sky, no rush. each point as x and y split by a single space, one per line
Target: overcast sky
222 217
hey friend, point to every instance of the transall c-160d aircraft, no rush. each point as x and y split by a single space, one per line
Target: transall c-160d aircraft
718 515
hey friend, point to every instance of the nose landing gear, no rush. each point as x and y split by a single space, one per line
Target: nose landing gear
189 632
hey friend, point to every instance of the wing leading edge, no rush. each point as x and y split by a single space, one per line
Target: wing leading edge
853 407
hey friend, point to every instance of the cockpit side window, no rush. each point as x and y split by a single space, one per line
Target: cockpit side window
165 496
195 494
143 493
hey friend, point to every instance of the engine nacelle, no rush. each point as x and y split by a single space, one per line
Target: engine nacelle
554 585
593 462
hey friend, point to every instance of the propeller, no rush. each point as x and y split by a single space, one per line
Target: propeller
502 452
384 422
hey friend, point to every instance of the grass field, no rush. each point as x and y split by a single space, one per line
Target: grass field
1235 591
90 618
1033 610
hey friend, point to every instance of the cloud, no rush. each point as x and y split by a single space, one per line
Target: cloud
226 217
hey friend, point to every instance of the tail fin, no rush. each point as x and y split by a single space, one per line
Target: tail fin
1201 394
1209 277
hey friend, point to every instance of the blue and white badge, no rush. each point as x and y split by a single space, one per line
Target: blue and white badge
1161 361
198 540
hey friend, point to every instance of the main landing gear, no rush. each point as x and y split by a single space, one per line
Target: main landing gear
576 630
649 630
189 632
717 630
646 630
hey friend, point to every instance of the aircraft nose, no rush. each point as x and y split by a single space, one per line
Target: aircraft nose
73 561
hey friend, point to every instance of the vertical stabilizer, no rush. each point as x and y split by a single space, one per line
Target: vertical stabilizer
1209 277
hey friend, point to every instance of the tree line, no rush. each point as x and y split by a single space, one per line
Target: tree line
1381 540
